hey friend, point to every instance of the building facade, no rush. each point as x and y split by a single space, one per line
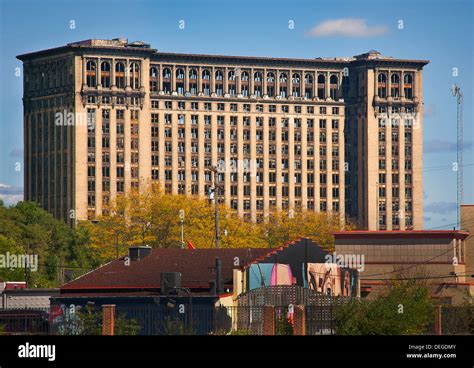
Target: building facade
341 135
437 258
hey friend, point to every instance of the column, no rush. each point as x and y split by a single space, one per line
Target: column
108 319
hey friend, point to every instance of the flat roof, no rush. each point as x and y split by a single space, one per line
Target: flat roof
116 46
405 234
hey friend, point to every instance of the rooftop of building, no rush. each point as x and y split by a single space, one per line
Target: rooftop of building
405 234
140 47
197 268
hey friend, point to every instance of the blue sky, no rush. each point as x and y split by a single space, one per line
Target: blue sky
440 31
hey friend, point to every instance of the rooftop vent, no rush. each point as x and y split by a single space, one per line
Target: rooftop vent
138 253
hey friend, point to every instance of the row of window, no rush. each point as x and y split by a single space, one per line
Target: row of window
395 164
395 85
233 107
130 76
46 76
395 221
246 203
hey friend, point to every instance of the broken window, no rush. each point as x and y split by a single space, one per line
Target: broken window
395 85
105 74
91 74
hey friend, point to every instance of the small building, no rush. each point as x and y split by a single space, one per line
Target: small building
28 298
435 256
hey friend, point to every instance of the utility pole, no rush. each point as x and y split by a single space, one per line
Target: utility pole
459 120
181 221
214 194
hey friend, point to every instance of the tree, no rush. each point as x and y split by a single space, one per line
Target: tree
27 229
405 308
283 226
151 217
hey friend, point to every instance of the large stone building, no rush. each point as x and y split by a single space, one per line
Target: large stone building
342 135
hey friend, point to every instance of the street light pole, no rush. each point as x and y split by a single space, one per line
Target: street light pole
216 205
182 234
181 221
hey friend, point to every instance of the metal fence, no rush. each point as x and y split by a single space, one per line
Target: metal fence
320 319
455 320
179 320
24 321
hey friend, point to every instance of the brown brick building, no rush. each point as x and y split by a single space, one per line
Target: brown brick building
440 258
342 135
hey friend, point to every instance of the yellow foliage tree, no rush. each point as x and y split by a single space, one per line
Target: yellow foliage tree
283 226
151 217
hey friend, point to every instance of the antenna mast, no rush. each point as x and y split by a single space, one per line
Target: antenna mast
459 114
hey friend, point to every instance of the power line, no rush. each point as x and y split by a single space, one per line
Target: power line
413 265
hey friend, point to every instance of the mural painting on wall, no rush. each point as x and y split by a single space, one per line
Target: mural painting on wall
330 279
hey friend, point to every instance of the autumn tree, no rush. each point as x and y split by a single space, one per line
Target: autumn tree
151 217
282 226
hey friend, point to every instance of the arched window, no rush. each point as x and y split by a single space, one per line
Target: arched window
308 89
179 73
283 78
382 85
91 74
219 86
257 89
206 77
153 79
333 86
408 86
271 84
134 76
295 78
180 81
120 75
231 75
321 86
193 87
395 85
166 73
193 74
244 76
105 74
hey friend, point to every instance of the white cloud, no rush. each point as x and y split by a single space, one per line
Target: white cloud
442 145
10 195
11 199
346 27
441 207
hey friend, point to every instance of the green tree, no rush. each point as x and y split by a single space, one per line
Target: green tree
404 308
27 229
